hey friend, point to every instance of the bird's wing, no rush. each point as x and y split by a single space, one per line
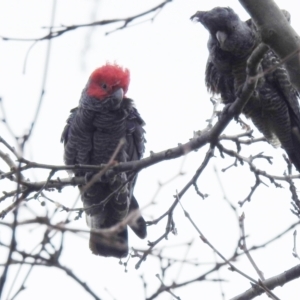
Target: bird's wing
135 147
279 79
135 135
69 151
218 82
65 133
78 136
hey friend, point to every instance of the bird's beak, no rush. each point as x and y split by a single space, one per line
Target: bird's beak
221 37
116 99
118 94
198 16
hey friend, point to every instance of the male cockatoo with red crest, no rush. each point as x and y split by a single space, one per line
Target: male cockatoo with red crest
92 134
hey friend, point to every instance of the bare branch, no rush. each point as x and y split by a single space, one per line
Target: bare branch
276 32
271 283
126 21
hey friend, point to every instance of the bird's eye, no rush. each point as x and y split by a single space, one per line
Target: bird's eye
104 86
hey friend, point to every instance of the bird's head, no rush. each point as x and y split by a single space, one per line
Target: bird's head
227 31
217 19
109 83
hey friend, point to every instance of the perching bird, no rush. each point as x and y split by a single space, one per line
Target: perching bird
273 107
93 132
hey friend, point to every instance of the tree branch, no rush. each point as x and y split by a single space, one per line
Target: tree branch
271 283
277 33
126 21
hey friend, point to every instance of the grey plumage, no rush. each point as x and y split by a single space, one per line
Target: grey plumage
93 132
273 107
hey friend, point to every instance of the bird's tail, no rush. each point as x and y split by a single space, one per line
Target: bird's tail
108 222
136 221
106 242
113 241
109 236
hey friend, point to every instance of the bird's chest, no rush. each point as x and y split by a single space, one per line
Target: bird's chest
221 59
110 124
109 128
